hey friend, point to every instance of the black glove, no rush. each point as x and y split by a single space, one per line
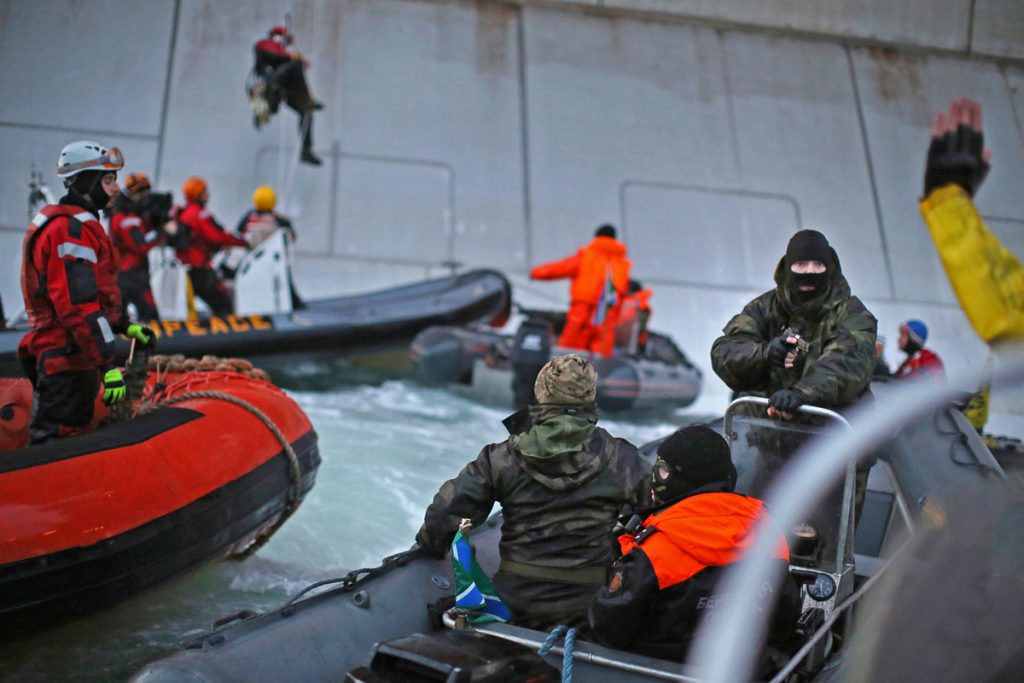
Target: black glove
956 157
775 352
787 400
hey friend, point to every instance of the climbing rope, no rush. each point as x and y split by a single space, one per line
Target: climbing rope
150 404
567 651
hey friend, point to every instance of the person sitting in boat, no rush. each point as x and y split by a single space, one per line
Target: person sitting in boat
285 72
809 341
634 316
919 361
600 279
68 281
261 222
198 237
134 235
561 481
662 588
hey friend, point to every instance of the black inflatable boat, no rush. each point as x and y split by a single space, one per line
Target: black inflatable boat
328 328
483 362
374 625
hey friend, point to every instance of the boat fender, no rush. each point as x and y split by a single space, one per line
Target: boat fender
15 409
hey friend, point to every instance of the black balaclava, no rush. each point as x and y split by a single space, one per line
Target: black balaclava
807 245
605 231
86 190
696 457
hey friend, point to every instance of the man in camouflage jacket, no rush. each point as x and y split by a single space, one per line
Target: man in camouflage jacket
561 484
808 341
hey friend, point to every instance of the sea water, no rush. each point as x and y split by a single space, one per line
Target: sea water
386 449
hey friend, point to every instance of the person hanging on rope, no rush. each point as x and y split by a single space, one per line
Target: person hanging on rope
198 237
68 281
284 72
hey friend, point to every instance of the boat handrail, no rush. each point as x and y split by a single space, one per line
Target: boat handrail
761 401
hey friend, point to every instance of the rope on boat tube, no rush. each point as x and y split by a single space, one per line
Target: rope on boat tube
567 651
294 471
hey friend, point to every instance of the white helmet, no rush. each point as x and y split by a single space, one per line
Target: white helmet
84 155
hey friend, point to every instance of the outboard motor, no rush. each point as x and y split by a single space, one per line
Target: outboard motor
438 357
531 349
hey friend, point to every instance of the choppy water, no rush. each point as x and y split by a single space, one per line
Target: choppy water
385 448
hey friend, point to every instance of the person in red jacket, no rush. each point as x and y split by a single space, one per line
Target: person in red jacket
68 281
285 70
664 585
133 236
919 361
600 278
198 237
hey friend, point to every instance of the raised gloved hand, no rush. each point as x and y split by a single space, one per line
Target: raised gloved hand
957 152
141 334
775 352
113 386
786 400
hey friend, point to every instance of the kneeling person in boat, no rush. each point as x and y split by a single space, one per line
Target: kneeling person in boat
561 482
662 588
68 281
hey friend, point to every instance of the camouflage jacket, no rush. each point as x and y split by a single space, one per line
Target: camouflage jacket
561 485
840 332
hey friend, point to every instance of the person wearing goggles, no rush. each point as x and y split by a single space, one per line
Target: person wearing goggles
68 281
663 586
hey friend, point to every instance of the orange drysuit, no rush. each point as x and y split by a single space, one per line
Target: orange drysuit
600 278
631 331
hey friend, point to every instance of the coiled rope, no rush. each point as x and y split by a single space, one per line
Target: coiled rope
567 651
294 470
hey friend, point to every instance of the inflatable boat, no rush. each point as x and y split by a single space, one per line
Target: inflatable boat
384 320
482 362
212 462
387 623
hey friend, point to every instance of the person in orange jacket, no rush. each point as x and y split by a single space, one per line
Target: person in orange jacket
665 583
600 278
634 314
199 236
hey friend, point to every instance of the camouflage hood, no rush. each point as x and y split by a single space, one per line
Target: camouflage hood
554 450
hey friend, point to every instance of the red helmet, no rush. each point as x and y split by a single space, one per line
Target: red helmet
281 31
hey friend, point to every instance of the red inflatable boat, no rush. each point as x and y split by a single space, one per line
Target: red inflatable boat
209 466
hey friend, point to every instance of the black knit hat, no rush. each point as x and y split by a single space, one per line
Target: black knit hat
605 230
694 457
808 245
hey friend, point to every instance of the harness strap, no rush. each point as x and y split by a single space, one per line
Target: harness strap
590 576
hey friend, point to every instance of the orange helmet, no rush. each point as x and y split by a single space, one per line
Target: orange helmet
193 188
136 182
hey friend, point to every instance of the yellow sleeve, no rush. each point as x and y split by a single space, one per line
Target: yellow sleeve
986 277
